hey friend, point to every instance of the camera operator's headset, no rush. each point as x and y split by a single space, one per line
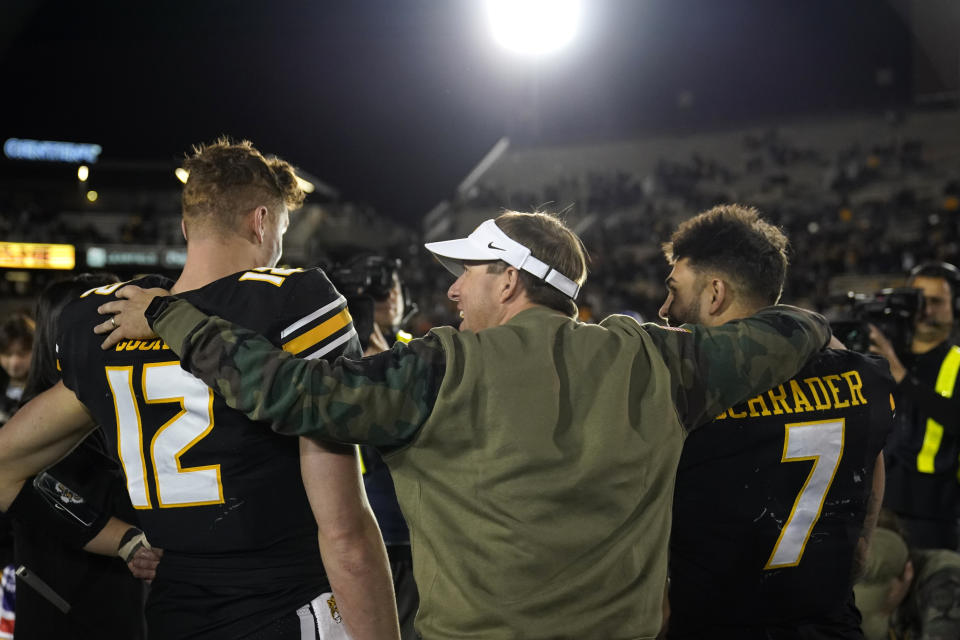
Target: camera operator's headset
944 270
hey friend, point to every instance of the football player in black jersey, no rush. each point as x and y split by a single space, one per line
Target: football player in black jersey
775 500
223 499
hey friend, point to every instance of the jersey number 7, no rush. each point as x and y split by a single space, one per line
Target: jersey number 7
822 442
176 486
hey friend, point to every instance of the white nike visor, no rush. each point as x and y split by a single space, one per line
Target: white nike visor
489 242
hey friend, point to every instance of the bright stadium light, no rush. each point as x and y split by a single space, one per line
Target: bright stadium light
533 27
92 195
83 172
182 174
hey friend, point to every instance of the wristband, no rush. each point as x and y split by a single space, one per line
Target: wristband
133 540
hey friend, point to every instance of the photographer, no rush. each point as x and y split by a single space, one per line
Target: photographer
922 453
376 299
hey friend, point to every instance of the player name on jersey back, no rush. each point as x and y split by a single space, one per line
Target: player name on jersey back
816 393
141 345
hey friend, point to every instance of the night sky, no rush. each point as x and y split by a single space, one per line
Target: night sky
394 102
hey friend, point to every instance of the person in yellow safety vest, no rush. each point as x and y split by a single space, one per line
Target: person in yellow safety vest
923 453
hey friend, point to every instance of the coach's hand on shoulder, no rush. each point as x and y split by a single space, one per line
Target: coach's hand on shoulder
126 321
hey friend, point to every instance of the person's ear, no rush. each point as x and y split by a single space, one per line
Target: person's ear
719 294
510 285
258 222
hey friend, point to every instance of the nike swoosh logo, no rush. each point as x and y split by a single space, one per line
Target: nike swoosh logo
490 245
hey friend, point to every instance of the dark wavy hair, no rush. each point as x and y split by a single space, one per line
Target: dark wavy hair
735 241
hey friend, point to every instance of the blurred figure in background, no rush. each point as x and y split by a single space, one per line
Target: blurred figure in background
16 343
375 296
105 599
907 593
923 455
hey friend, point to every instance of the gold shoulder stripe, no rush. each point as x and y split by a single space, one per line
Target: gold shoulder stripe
319 333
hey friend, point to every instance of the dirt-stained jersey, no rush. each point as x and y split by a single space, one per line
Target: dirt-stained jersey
222 497
771 497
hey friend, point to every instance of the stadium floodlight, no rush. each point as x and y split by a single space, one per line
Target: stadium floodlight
83 172
92 195
533 27
182 174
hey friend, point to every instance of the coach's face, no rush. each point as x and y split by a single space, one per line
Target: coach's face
685 289
476 294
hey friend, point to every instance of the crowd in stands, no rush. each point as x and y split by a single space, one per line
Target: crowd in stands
867 208
875 205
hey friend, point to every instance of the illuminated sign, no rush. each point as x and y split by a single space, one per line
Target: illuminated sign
133 255
18 149
27 255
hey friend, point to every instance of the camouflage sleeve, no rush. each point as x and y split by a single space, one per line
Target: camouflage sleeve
938 605
717 367
382 400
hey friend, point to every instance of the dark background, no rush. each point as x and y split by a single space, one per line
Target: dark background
394 102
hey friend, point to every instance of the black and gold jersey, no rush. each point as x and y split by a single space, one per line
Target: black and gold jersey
221 496
771 497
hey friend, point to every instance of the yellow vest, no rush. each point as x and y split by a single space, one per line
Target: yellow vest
946 382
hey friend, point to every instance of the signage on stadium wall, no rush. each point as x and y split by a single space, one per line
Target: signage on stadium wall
135 256
51 151
29 255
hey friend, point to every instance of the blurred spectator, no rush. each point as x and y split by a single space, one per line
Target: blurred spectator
922 454
105 600
908 594
375 296
16 343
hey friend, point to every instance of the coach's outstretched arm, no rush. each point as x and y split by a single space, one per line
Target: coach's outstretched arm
382 400
713 368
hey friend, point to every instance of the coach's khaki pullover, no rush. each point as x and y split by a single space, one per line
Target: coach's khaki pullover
534 462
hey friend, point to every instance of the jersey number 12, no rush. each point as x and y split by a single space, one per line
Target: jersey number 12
176 486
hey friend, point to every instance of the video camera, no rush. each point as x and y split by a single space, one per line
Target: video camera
370 276
893 311
363 282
